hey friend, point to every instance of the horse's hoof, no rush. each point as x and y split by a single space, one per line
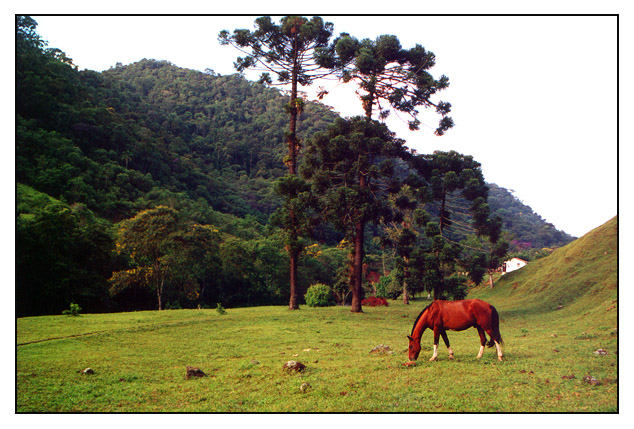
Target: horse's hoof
432 359
450 357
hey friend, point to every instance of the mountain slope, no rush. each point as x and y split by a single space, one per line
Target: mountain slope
578 280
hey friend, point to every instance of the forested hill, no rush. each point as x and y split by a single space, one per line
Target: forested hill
527 229
115 136
95 149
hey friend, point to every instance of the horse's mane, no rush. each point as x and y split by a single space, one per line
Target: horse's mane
419 316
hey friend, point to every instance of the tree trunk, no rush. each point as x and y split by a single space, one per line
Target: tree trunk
159 293
294 304
491 280
405 296
292 170
292 134
357 273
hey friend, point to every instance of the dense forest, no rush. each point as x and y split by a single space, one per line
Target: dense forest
115 168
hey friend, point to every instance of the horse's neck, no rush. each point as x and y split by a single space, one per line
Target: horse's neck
420 327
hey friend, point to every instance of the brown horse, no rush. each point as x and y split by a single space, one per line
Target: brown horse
457 316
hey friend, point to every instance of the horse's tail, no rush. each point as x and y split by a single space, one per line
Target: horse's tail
495 327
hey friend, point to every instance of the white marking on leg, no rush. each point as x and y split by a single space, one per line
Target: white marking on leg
450 352
435 355
480 352
499 349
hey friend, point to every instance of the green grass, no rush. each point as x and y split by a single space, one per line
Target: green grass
139 358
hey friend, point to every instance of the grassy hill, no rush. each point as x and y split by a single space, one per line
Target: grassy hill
139 358
581 277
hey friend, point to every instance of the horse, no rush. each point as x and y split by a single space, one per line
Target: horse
456 316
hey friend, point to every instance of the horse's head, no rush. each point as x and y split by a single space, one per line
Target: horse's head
414 348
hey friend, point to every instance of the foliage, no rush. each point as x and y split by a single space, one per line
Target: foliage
529 233
73 311
220 309
166 253
286 50
351 167
387 73
375 301
319 295
63 254
388 287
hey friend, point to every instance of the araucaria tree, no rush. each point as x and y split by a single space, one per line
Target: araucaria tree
351 168
389 76
459 216
286 50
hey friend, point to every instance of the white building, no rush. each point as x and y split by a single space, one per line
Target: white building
512 265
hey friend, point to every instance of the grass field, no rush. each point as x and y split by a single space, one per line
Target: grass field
139 359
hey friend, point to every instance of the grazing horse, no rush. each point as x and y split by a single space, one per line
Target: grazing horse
457 316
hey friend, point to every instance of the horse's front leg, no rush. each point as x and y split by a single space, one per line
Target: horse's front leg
446 340
436 337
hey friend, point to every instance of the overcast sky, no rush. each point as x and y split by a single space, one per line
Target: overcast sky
534 97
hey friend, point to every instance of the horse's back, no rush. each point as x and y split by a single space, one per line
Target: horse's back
463 314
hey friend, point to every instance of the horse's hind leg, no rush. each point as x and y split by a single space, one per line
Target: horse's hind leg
446 340
498 347
483 341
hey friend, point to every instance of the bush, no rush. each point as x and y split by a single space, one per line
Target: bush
220 309
388 288
74 310
319 295
373 301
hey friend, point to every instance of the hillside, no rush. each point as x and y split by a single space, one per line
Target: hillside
581 277
527 229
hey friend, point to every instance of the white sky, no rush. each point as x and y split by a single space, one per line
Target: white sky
534 97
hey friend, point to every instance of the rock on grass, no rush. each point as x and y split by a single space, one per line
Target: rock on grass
293 366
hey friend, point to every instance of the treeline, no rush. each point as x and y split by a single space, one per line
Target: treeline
109 163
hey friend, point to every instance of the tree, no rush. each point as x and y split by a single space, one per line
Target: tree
63 254
351 168
402 234
387 73
147 239
459 211
287 51
166 252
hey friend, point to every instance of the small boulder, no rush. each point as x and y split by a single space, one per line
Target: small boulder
591 380
304 387
293 366
381 349
194 372
88 371
600 352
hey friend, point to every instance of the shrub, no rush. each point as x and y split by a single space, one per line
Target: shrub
388 288
220 309
319 295
373 301
74 310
